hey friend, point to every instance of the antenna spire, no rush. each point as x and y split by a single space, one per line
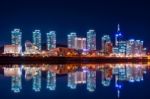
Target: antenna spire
118 27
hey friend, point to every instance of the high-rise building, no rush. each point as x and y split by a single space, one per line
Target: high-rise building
16 37
122 47
91 40
134 47
51 40
37 39
138 47
130 47
80 43
118 36
105 40
108 48
71 40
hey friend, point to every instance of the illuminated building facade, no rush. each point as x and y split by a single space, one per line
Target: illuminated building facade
122 47
105 41
12 49
118 36
91 40
51 80
16 37
135 47
37 39
71 40
51 40
80 43
108 48
130 47
30 48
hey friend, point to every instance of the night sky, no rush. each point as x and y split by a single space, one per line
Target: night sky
65 16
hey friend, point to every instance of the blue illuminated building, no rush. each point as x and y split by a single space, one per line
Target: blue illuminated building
104 40
51 40
37 39
16 37
71 39
91 40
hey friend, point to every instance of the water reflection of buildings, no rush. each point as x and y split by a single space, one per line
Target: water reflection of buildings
51 80
15 73
76 74
37 81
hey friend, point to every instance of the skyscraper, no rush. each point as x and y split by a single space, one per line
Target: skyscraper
16 37
118 35
71 40
37 39
91 40
105 39
51 40
80 43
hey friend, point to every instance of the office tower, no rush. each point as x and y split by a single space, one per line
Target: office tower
118 35
108 48
130 47
122 47
91 40
37 81
91 81
51 81
80 43
16 37
37 39
138 47
71 81
105 40
134 47
51 40
71 40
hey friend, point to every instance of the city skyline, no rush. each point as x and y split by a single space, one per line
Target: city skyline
64 17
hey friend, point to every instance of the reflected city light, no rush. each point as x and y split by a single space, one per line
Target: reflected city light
77 74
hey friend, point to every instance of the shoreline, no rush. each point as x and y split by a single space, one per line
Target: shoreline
74 59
